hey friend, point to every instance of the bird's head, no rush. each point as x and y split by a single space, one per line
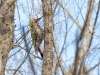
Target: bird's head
34 20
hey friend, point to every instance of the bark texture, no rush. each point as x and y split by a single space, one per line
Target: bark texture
48 38
6 31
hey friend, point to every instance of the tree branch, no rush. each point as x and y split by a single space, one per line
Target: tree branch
68 12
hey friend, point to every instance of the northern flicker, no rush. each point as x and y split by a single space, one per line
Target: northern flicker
37 35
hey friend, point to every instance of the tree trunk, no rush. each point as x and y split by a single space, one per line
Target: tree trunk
48 38
6 31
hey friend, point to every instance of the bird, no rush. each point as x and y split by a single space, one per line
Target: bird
37 34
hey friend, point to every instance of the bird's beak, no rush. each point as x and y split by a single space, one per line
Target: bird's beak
39 18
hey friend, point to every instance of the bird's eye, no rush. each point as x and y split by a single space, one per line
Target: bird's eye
34 20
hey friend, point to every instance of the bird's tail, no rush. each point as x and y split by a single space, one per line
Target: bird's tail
41 52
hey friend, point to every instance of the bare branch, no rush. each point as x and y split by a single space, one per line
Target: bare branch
92 68
68 12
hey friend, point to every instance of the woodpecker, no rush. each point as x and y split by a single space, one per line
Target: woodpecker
37 35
